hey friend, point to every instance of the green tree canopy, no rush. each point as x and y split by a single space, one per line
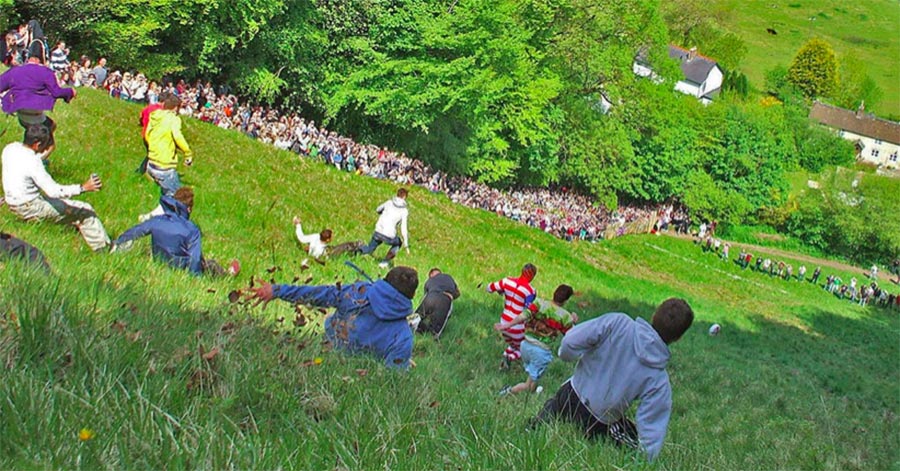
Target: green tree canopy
814 69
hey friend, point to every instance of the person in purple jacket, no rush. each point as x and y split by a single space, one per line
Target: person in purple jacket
30 91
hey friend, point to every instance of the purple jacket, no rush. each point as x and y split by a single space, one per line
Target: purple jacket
31 87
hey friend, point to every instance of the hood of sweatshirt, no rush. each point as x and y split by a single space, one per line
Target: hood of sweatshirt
173 207
387 303
160 116
398 202
649 347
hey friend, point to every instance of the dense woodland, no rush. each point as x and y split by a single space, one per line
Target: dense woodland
507 91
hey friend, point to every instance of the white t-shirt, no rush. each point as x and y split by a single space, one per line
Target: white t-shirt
24 177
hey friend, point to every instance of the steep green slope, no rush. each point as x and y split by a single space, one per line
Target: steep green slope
167 373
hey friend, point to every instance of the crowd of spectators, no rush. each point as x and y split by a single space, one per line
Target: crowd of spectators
558 211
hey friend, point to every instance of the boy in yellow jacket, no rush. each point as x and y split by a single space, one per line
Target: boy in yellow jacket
164 138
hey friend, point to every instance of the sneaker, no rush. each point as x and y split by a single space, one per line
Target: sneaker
384 265
234 268
505 391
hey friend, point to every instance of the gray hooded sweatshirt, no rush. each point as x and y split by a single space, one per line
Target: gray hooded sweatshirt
621 359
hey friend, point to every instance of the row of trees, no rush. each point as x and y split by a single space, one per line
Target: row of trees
508 91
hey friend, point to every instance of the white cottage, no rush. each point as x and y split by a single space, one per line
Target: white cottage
702 75
877 140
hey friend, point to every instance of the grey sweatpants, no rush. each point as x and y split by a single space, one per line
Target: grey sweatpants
65 211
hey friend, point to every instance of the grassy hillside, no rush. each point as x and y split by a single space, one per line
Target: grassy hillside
868 31
167 373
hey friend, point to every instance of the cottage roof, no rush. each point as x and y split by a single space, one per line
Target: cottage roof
864 124
695 67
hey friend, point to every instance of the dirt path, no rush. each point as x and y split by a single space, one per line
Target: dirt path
811 261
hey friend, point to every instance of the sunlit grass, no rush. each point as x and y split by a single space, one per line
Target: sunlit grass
165 373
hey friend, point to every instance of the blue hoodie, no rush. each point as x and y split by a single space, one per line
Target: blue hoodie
621 360
175 239
370 317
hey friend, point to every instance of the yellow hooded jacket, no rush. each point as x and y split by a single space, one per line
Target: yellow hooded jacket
163 135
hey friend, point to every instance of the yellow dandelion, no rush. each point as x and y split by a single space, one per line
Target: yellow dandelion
318 360
85 434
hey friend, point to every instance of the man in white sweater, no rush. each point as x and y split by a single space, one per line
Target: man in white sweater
25 179
392 212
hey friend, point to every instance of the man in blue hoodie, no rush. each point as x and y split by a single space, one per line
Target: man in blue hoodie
174 238
621 359
369 317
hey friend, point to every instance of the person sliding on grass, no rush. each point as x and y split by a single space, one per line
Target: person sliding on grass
620 360
518 296
174 238
370 317
542 326
318 243
392 213
33 195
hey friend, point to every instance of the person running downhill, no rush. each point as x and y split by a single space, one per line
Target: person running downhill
519 295
391 213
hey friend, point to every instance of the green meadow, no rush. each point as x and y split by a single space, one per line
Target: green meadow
165 372
868 31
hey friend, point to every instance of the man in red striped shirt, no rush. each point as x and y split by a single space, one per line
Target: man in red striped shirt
519 295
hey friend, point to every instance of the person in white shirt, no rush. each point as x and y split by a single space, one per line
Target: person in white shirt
317 242
25 179
392 212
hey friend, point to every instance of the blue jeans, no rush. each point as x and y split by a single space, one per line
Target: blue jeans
167 179
378 239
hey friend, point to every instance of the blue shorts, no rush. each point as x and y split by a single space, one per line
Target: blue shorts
535 359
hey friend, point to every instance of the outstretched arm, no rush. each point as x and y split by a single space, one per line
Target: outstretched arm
320 296
135 232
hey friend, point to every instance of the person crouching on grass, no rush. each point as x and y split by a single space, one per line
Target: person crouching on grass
542 327
621 359
175 239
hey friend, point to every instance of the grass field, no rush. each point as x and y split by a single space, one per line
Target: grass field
868 30
166 373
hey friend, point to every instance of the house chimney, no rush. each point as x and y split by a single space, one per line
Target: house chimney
692 53
861 111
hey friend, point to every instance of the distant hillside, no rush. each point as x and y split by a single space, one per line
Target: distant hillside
868 30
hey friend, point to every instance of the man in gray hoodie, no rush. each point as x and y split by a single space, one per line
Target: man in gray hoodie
621 359
391 213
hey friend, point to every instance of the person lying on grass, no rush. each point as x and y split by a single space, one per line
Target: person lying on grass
370 317
619 360
175 239
318 243
541 328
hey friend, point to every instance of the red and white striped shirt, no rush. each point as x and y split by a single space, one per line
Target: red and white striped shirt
518 294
